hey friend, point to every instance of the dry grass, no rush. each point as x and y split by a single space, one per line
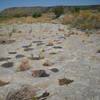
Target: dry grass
84 20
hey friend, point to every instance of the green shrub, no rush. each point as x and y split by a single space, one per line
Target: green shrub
75 10
35 15
59 11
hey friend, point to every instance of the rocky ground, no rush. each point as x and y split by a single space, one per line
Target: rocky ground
59 62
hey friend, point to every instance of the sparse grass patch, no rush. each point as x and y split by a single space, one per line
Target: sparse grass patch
34 98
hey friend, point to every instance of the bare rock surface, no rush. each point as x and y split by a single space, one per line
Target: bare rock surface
70 50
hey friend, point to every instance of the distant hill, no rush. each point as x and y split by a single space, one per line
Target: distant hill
31 10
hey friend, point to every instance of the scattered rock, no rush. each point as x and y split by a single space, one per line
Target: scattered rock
6 41
39 73
39 44
7 65
48 63
44 95
12 52
57 47
27 46
53 53
36 57
19 56
61 29
37 41
65 81
26 92
4 59
50 44
62 37
24 66
54 70
28 49
4 82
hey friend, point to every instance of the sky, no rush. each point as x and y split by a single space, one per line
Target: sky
24 3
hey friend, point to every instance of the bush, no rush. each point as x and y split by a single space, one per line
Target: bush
35 15
75 10
59 11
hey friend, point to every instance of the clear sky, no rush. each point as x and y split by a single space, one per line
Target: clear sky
19 3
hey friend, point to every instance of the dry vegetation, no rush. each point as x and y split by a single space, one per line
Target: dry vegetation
47 17
85 19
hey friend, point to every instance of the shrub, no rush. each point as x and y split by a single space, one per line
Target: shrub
59 11
35 15
75 10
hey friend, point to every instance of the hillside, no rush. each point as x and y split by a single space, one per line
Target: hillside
31 10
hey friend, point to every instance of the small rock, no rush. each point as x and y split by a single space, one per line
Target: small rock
27 46
39 73
7 65
4 82
28 49
44 95
37 41
4 59
57 47
65 81
54 70
50 44
12 52
53 53
39 44
6 41
47 63
36 57
24 66
19 56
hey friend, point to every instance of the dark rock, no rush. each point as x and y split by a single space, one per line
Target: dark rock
54 70
37 41
27 46
7 65
39 44
39 73
19 56
4 59
65 81
5 41
12 52
57 47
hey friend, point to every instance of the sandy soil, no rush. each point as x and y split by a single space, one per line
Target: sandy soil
73 53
